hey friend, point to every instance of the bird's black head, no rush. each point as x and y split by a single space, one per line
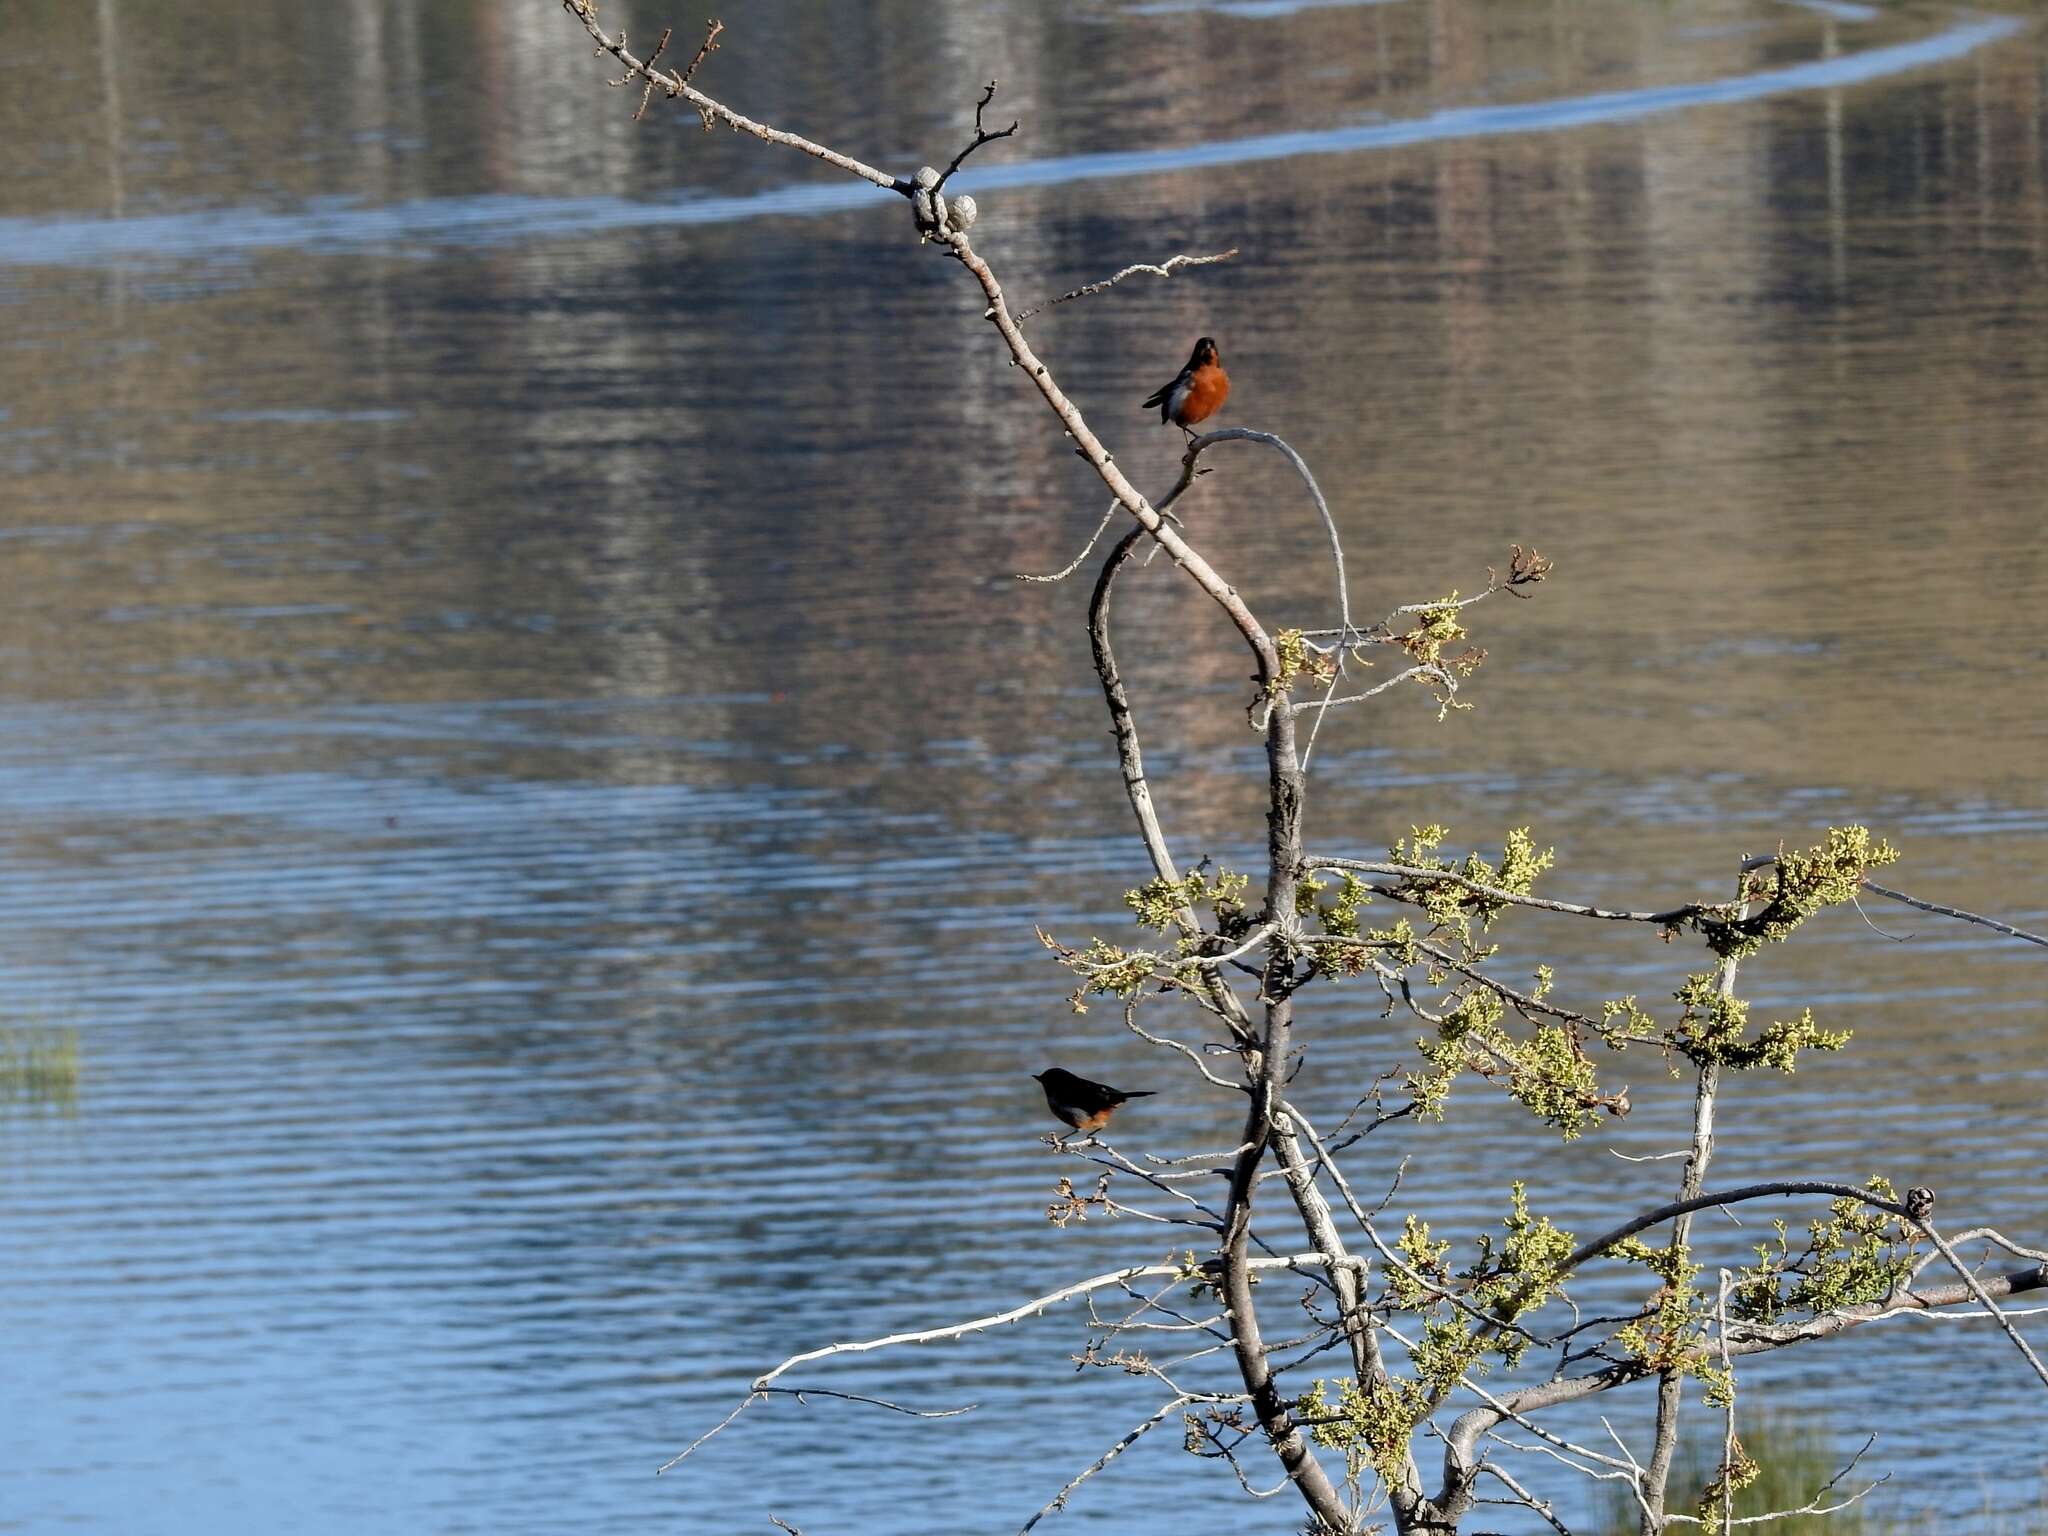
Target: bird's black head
1205 353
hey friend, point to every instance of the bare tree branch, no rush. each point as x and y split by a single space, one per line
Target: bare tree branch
1969 1278
1059 1500
1670 1381
647 94
1525 1498
804 1394
1087 549
675 85
1667 918
1171 265
704 50
1728 1393
1956 912
981 136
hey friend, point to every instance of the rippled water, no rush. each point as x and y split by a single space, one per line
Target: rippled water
529 781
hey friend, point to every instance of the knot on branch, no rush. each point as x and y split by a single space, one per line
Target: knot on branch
936 215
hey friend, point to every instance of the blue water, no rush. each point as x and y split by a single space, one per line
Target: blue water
529 781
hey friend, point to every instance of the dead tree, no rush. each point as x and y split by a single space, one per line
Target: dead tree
1416 1329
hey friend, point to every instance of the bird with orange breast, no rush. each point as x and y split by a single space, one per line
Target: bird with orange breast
1081 1103
1197 391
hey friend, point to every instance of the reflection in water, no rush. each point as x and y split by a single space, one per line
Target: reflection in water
1797 1459
495 218
532 780
39 1066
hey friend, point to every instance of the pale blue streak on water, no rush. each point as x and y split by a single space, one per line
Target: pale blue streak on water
499 218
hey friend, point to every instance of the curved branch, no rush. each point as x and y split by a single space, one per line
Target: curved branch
1245 435
1265 1056
1131 759
1703 1202
1074 564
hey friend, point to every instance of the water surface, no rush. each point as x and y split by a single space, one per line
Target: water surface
527 771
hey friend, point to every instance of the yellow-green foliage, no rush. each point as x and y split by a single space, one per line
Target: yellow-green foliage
1434 629
1621 1018
1470 1035
1856 1254
1109 970
1296 660
1548 1073
1669 1338
1712 1027
1158 902
1555 1081
1734 1474
1437 627
1523 1272
1452 906
1784 894
1338 917
1425 1258
1374 1424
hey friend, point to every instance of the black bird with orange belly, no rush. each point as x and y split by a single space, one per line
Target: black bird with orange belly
1084 1105
1197 391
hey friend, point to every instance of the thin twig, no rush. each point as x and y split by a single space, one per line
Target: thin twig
1131 1023
1323 706
981 137
1727 1388
1280 445
801 1394
1969 1278
1086 550
1956 912
1812 1506
1059 1500
1394 1260
714 1429
585 11
647 94
1525 1498
707 48
1167 268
